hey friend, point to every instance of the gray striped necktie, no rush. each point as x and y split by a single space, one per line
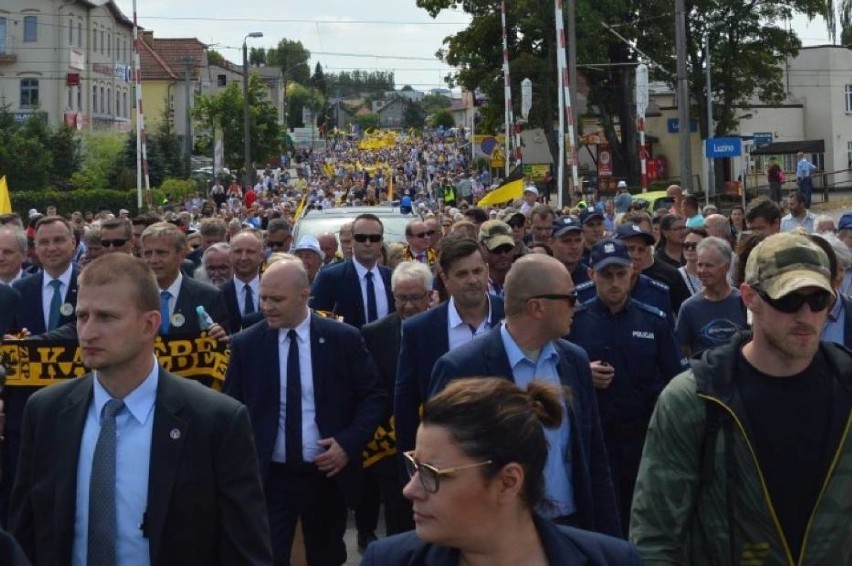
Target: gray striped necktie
103 527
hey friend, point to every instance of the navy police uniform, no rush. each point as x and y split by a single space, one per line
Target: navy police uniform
639 343
645 290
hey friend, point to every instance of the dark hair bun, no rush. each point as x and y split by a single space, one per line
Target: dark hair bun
546 402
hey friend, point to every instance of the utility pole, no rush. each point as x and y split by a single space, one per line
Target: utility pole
188 63
711 166
683 97
248 174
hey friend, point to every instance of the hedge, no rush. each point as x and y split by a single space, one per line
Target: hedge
93 200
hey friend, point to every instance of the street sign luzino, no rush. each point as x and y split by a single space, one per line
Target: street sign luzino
724 147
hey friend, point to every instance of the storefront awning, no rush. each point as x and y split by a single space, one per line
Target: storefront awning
791 148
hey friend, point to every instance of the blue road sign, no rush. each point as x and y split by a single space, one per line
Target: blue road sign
762 139
673 125
723 147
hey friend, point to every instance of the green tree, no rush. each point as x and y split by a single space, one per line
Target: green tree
747 51
170 150
318 80
366 121
226 110
413 116
431 103
293 58
214 57
103 154
257 56
300 97
64 144
356 82
443 118
31 152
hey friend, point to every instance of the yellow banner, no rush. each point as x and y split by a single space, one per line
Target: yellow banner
39 363
5 200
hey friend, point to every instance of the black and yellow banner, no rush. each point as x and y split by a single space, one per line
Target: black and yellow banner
39 363
381 446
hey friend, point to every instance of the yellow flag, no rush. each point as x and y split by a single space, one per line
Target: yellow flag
5 201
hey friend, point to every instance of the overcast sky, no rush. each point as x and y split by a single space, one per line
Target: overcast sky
382 35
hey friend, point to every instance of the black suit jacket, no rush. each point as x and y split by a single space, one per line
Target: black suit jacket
193 293
337 289
205 501
31 313
424 339
10 302
235 318
594 496
382 339
563 546
348 398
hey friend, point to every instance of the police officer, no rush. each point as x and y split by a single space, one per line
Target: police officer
633 355
642 288
566 241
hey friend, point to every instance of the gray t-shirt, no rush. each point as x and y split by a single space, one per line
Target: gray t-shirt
704 324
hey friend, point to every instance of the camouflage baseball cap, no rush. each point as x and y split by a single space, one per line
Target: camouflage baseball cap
495 233
783 263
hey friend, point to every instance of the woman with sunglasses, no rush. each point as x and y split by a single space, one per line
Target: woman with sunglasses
477 479
689 271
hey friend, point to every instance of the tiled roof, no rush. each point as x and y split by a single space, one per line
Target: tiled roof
162 59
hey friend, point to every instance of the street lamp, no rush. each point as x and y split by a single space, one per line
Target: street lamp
246 116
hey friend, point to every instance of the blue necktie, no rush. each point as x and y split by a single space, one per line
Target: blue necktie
293 413
372 309
164 311
55 305
103 525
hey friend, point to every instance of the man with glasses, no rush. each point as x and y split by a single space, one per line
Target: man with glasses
634 355
518 223
216 264
411 284
358 289
278 237
747 453
419 238
117 235
470 312
540 301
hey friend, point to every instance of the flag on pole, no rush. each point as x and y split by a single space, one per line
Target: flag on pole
5 200
510 189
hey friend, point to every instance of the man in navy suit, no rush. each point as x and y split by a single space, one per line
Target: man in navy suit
359 289
242 291
315 400
47 301
164 249
426 337
540 299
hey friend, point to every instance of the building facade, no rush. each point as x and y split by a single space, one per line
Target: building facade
69 62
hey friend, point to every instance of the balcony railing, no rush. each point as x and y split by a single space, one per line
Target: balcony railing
8 51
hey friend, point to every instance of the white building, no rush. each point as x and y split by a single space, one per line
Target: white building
68 61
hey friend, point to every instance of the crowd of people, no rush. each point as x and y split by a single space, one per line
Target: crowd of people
515 385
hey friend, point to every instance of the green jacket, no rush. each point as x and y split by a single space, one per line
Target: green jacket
686 515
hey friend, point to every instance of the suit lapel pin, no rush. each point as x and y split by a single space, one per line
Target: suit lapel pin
321 340
66 309
174 434
178 320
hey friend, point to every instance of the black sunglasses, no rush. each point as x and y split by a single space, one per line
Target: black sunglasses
117 243
427 234
571 298
690 246
361 238
792 302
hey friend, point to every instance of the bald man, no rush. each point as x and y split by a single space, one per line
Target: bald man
718 226
539 300
315 399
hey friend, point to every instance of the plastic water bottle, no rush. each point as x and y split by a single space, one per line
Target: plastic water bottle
204 320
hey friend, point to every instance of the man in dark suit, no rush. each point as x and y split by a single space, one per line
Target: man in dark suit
359 289
314 397
163 249
540 300
10 302
411 283
132 463
426 337
242 291
47 301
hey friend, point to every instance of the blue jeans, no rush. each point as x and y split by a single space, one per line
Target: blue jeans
806 186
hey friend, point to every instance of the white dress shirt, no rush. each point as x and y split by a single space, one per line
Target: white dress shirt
240 286
47 291
459 332
378 284
310 431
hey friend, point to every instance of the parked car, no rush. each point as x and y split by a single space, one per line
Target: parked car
654 200
316 221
